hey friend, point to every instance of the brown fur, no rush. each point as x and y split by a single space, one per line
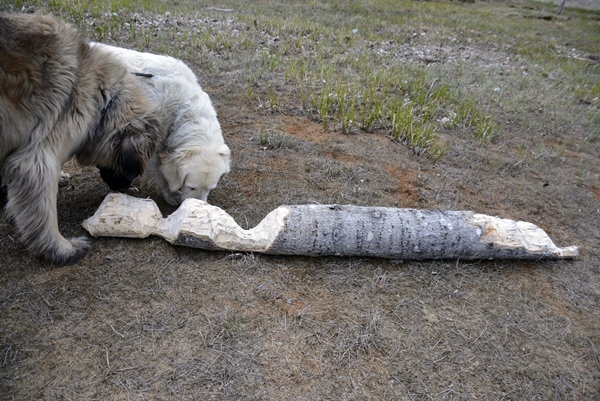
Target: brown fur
60 97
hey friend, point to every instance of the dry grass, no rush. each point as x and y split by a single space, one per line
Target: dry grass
140 319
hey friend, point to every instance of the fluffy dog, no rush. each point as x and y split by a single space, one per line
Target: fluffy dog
192 155
61 97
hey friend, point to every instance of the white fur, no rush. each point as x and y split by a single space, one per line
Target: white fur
193 155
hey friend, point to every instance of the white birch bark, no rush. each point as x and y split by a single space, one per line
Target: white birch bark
315 230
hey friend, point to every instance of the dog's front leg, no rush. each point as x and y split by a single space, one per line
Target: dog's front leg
31 179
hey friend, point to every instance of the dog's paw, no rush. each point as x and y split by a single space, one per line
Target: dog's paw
172 198
68 252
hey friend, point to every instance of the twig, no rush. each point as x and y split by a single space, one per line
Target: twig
107 361
560 10
595 352
113 329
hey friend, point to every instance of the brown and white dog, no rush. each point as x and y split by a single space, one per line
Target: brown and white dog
61 97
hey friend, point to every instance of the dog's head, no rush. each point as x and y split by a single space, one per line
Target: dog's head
126 129
131 149
194 173
126 133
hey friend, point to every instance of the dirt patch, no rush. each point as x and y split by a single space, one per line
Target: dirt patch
307 130
584 4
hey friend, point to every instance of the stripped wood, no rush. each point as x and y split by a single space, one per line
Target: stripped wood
315 230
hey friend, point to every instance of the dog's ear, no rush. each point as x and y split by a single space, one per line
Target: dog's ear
131 148
133 152
225 153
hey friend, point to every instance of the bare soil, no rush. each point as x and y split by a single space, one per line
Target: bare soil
583 4
144 320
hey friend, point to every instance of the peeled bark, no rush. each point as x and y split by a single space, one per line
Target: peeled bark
315 230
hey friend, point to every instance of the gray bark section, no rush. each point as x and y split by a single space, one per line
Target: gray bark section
194 242
317 230
381 232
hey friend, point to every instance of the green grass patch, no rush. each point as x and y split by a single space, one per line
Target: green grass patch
352 63
272 138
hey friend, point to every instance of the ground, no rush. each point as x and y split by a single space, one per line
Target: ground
584 4
141 319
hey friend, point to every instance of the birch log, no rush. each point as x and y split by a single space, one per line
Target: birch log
315 230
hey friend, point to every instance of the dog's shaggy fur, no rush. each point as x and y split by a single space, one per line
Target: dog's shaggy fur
61 97
192 156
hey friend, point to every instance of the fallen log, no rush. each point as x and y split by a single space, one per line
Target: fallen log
315 230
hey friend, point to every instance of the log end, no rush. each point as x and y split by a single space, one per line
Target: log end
519 235
120 215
